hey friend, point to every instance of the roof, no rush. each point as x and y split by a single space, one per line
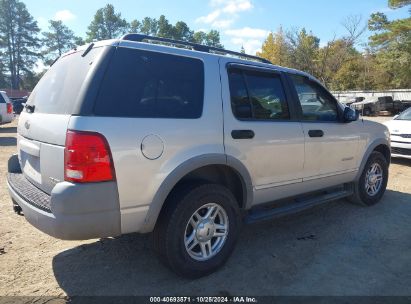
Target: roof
189 49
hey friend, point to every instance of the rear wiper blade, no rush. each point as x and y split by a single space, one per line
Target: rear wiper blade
54 61
88 49
30 108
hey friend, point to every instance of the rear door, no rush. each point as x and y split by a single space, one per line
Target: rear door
42 126
259 129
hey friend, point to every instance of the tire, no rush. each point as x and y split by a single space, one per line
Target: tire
174 229
367 112
363 193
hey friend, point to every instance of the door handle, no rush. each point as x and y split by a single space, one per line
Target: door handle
242 134
316 133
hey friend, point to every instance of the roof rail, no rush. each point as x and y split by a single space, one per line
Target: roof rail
194 46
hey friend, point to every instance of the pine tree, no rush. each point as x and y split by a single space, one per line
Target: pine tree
135 26
149 26
58 40
3 80
212 38
107 24
18 39
181 31
165 29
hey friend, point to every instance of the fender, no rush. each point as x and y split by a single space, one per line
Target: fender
368 151
186 167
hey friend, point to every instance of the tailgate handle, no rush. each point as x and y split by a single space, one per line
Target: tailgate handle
29 147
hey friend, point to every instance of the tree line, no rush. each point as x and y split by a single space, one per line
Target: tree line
22 43
344 63
341 64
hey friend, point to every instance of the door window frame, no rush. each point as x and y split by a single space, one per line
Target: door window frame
297 103
293 113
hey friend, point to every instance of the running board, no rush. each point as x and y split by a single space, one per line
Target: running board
262 214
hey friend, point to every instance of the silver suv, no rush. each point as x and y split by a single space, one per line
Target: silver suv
185 141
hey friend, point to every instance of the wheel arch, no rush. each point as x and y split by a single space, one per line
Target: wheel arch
381 145
214 168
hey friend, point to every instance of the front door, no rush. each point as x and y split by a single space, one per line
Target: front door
331 146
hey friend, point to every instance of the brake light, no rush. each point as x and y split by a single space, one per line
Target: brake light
87 158
9 108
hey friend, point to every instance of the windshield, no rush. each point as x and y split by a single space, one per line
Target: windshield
406 115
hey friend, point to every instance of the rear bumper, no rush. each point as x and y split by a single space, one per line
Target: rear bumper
72 211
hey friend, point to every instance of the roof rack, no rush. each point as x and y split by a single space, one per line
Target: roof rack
194 46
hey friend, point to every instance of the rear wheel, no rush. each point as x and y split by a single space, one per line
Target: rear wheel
198 229
371 186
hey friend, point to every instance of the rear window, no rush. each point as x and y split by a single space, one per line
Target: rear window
58 89
2 100
147 84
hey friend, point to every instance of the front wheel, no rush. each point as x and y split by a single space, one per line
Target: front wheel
371 186
198 229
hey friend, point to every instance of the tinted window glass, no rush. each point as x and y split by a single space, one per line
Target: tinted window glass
2 100
316 103
58 89
257 95
148 84
267 96
240 102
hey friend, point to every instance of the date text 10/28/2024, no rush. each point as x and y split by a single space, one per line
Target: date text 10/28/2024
203 300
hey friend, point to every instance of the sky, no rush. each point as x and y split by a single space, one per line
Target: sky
240 22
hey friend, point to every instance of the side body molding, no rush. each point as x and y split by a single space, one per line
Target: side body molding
186 167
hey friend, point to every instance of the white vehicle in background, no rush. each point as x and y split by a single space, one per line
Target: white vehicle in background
6 109
400 130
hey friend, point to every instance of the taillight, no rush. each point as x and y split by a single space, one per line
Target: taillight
9 108
87 158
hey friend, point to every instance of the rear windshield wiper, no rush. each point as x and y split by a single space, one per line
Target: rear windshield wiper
54 61
88 49
29 108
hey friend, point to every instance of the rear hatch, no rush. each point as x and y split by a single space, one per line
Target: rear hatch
43 123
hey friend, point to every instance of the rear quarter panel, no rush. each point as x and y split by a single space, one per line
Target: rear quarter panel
139 178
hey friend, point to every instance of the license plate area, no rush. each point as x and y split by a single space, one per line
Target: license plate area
31 167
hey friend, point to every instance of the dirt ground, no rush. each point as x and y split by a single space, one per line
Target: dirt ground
335 249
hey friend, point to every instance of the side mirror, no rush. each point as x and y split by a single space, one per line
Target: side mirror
350 114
